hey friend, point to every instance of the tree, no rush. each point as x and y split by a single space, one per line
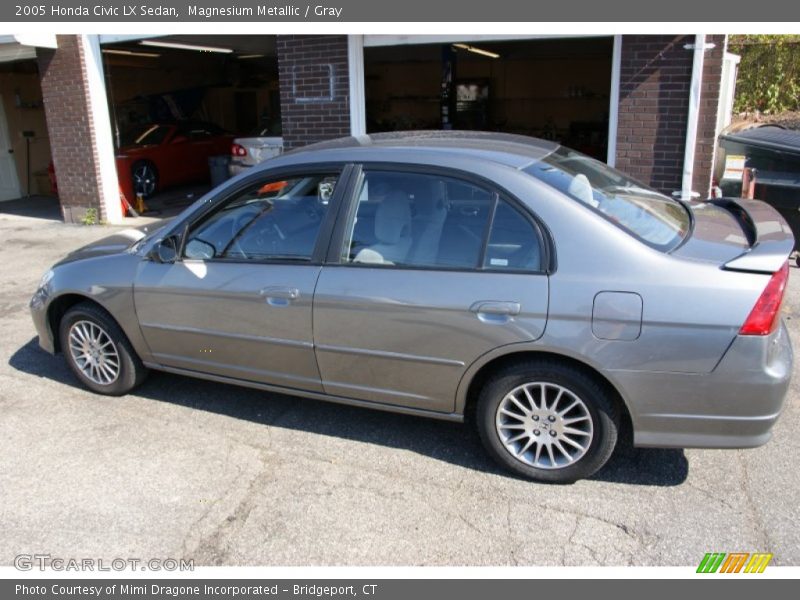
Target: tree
769 72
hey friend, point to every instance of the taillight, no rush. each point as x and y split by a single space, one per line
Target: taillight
237 150
763 319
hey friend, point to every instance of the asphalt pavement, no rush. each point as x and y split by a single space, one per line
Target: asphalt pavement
183 468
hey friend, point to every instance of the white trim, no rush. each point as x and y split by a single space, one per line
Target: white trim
357 96
613 101
37 40
371 41
694 112
114 38
101 123
13 191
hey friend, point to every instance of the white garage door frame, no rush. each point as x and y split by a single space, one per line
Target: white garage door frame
355 52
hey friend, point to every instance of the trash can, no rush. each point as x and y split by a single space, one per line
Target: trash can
774 153
218 165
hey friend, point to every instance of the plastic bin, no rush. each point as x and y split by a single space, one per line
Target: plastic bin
218 165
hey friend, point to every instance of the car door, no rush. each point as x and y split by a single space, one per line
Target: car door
237 302
427 272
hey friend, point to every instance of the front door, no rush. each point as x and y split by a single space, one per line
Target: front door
434 272
9 182
237 303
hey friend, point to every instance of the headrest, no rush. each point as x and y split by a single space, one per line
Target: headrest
393 218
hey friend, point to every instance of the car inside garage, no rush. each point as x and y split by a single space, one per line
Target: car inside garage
177 103
550 88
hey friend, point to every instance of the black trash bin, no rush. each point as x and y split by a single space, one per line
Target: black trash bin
774 153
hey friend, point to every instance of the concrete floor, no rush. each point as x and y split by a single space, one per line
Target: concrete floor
190 469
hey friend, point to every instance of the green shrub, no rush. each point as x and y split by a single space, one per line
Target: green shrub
769 73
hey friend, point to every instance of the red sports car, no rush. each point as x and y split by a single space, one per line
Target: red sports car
166 154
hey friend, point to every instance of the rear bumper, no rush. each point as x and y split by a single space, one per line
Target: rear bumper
734 406
235 167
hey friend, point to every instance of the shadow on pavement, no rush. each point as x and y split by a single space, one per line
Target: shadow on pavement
449 442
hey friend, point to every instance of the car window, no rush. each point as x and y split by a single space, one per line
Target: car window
422 220
275 219
513 241
654 218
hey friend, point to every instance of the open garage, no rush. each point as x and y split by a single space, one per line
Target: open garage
177 102
550 88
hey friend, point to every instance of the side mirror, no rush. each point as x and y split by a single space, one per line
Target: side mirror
165 251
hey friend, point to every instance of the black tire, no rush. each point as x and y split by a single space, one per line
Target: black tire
600 420
145 178
130 370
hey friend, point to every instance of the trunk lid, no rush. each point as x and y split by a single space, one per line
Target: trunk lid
738 234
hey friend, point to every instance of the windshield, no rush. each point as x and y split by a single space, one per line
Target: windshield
151 135
647 214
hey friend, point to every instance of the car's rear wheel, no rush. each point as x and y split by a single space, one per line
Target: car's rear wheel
145 178
98 352
547 421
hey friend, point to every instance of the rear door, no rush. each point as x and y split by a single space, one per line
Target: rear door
428 271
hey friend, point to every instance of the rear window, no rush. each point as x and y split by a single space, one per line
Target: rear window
648 215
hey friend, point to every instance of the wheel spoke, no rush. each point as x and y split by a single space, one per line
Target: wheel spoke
575 420
513 415
550 454
527 445
572 442
525 411
558 399
563 451
573 431
516 438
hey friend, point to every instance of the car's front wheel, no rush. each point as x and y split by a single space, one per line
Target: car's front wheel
547 421
145 179
98 352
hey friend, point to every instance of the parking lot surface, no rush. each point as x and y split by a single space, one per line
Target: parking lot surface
184 468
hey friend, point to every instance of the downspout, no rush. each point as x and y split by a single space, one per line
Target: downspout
694 111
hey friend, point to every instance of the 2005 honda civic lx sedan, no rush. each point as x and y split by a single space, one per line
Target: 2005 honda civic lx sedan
539 292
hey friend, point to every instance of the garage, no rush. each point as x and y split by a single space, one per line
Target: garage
556 89
176 103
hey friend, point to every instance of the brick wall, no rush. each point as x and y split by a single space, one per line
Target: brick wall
314 87
72 139
655 77
707 117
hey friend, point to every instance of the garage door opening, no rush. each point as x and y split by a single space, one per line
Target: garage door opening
555 89
178 102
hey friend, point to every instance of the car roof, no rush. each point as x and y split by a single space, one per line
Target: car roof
512 150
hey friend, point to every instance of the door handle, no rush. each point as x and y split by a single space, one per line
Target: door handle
492 307
492 311
279 295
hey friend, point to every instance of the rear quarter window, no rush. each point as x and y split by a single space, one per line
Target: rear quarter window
652 217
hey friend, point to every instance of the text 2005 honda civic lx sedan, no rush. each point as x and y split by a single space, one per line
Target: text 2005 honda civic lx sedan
447 274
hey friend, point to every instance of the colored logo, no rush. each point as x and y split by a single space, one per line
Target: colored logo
735 562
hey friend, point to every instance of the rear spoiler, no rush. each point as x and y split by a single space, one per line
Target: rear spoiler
770 237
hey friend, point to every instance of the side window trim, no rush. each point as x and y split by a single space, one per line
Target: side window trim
344 170
349 205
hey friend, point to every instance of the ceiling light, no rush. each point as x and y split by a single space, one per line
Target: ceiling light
475 50
130 53
178 46
245 56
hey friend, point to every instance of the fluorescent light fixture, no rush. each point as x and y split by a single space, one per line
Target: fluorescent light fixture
475 50
130 53
246 56
178 46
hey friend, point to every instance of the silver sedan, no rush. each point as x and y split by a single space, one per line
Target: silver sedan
535 292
